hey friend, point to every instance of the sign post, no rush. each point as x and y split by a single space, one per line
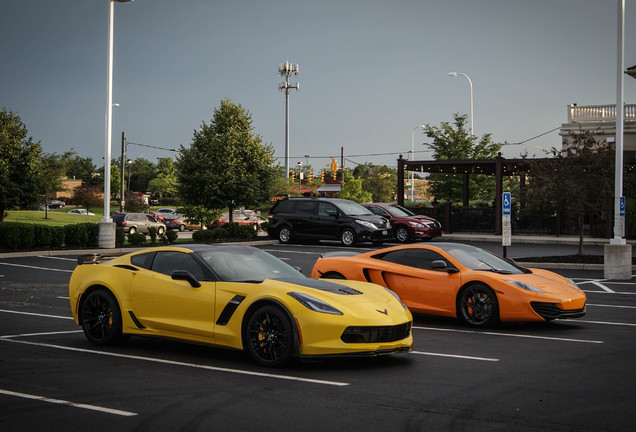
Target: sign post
506 231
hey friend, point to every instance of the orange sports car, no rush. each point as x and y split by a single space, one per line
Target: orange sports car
458 280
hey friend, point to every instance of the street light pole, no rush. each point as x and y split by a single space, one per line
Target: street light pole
106 237
470 83
412 159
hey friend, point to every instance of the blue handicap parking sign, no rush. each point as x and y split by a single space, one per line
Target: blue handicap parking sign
506 203
622 206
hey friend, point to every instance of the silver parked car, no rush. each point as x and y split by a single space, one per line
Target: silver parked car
138 222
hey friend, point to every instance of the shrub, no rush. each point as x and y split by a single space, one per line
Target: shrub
17 235
42 235
75 235
247 231
152 233
120 237
57 236
232 229
136 239
171 236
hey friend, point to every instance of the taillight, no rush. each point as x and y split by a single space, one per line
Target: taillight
271 215
123 223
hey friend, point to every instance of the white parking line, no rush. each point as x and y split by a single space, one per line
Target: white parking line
35 267
177 363
35 314
602 322
456 356
611 306
58 258
69 403
512 334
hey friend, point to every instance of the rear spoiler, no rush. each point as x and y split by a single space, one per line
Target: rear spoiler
95 258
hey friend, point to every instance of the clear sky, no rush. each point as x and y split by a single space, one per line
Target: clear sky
370 71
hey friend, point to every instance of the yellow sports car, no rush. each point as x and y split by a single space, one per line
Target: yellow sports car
237 297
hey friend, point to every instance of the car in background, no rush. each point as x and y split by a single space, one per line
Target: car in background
313 219
458 280
406 225
247 217
238 297
56 204
177 221
132 223
81 212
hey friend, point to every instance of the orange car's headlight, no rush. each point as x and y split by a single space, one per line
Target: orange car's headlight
524 286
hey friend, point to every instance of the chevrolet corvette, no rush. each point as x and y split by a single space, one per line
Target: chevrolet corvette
457 280
236 297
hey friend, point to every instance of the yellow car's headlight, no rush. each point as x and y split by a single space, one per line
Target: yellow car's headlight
314 304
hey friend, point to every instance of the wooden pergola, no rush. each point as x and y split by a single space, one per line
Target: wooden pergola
499 167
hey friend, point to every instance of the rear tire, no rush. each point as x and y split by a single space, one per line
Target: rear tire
161 230
285 235
132 230
100 318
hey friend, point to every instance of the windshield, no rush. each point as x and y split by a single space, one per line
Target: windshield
247 264
478 259
405 210
353 208
398 211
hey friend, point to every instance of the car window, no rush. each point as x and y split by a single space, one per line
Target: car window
168 261
378 211
327 209
142 260
399 211
150 218
285 206
306 207
352 208
418 258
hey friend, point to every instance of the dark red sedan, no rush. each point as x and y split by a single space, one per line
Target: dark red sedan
406 225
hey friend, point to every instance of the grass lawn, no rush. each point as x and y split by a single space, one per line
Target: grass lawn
58 217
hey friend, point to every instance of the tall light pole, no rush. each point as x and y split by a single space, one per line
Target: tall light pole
106 237
413 158
286 70
470 83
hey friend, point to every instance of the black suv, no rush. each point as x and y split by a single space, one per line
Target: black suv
326 218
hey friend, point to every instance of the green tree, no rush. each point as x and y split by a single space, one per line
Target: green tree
352 189
87 196
380 181
453 141
166 180
226 165
142 171
20 175
579 178
52 169
80 168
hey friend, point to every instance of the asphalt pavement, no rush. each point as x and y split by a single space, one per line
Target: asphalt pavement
521 247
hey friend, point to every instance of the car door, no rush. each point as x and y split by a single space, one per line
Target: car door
325 221
173 306
409 273
303 220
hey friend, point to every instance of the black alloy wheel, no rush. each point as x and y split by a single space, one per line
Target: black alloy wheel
269 337
477 306
100 318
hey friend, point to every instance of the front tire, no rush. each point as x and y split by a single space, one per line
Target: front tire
100 318
269 337
161 230
182 228
285 235
348 237
402 234
477 306
132 230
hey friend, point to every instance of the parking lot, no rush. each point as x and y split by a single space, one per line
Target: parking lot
566 375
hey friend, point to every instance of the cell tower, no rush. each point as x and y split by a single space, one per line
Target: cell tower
286 70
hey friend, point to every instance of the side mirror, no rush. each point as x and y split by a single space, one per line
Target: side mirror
186 276
442 266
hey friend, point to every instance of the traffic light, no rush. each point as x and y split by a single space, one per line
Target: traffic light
322 176
334 174
311 176
293 176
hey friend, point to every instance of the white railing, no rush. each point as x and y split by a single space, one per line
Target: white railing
598 113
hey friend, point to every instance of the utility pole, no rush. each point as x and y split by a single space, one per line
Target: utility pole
286 70
122 201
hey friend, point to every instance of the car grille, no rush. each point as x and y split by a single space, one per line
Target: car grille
550 311
375 334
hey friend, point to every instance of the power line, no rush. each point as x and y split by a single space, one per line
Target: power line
151 146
